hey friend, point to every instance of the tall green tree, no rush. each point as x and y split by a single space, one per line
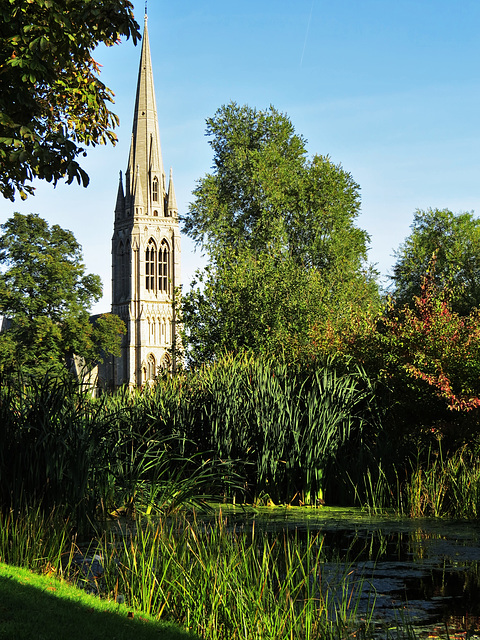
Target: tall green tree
274 308
279 228
452 242
45 295
52 102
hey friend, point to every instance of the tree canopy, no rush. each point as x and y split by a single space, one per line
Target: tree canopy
265 195
279 230
447 245
45 294
52 102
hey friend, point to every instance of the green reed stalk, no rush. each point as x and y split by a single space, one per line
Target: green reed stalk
225 584
445 485
34 540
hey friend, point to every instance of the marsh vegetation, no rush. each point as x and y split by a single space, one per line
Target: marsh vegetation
130 479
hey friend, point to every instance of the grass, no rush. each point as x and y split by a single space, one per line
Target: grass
207 577
41 607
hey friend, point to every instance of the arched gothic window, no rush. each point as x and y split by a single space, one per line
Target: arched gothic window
163 267
155 189
150 264
166 363
151 372
122 271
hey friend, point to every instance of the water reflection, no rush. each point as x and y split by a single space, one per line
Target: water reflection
425 572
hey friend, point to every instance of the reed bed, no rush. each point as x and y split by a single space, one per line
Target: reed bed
290 432
61 449
209 578
236 585
242 429
445 486
35 540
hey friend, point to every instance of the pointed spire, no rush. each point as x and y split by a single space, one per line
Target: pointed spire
120 206
145 151
172 208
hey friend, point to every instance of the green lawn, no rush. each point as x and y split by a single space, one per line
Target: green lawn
44 608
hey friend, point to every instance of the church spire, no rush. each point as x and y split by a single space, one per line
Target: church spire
146 251
145 152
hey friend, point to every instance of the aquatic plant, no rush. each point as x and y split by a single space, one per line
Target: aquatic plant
281 426
35 540
88 458
228 584
444 485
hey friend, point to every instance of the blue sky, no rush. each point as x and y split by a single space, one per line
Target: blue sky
388 89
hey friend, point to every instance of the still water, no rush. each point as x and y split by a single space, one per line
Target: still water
423 572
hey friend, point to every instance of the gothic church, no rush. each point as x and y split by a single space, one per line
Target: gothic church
145 247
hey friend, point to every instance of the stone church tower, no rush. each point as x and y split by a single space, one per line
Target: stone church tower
145 246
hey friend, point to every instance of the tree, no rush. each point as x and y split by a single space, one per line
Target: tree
45 294
254 303
453 241
52 103
427 357
280 233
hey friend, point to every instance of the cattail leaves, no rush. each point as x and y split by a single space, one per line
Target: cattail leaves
244 429
279 425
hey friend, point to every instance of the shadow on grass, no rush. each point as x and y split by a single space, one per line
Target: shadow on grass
38 608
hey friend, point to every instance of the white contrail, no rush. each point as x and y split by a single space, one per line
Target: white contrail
306 34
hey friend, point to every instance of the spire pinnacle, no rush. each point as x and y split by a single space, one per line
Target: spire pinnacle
120 205
172 208
145 152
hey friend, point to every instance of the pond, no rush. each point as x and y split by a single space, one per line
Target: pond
423 572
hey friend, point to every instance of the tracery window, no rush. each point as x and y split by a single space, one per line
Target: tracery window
126 269
163 267
151 372
166 363
150 264
155 189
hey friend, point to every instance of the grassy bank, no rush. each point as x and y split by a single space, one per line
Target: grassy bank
34 606
208 578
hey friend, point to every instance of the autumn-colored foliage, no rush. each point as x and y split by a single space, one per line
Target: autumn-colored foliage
426 346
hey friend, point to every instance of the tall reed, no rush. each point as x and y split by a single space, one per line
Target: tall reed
444 485
226 584
51 437
60 448
282 427
35 540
